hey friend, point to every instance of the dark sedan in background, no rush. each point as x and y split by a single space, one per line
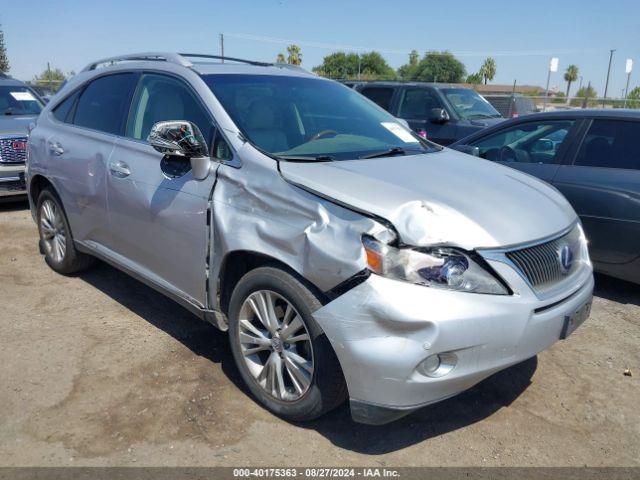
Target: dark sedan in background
593 158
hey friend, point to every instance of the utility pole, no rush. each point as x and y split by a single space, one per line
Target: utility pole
222 46
606 85
513 95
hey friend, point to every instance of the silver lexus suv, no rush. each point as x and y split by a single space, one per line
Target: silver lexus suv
346 256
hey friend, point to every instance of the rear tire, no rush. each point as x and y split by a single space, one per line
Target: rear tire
303 378
56 241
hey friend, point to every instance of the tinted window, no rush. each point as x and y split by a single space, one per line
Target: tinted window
469 104
221 149
63 111
531 142
381 96
160 98
416 103
611 143
16 100
103 102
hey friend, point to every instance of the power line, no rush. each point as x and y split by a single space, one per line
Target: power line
333 46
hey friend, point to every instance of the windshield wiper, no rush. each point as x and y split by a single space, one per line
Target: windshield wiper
302 158
386 153
482 115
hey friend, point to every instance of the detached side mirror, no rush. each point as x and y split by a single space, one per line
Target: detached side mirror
468 149
182 139
438 115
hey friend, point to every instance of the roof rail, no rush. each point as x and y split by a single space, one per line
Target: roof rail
231 59
180 59
148 56
4 75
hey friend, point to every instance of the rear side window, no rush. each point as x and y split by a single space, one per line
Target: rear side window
417 102
103 103
611 144
380 96
63 111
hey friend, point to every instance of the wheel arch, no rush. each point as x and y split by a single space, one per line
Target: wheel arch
237 263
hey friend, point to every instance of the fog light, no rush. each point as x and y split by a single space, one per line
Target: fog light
438 365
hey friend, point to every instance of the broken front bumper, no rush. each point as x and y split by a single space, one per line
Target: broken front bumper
383 329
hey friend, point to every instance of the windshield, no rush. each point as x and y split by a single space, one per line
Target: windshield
468 104
302 118
18 101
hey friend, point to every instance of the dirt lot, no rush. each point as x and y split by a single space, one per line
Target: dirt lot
98 369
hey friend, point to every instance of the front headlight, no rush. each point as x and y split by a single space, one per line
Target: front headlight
437 267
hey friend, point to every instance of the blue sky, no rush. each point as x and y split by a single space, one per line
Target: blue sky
522 36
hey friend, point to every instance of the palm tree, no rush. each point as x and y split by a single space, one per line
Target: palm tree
280 58
413 58
571 75
295 55
488 69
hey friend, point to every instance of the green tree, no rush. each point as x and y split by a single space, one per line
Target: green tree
4 60
633 99
373 66
587 92
435 67
475 78
488 69
350 66
51 78
280 58
570 76
295 55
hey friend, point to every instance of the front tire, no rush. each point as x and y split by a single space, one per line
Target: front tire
283 355
56 242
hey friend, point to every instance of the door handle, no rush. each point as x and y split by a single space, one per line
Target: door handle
119 169
56 148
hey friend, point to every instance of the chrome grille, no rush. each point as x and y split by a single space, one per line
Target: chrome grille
8 154
542 265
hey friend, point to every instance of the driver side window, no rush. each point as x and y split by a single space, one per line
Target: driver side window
531 142
161 98
417 103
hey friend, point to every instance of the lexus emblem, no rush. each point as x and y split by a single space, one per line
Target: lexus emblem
565 255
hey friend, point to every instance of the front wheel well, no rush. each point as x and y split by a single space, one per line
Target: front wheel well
36 185
240 262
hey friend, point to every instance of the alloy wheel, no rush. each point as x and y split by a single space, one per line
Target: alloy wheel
276 345
54 235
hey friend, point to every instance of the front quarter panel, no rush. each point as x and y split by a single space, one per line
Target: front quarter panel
256 210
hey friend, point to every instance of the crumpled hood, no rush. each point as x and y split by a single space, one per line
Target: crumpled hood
442 198
15 125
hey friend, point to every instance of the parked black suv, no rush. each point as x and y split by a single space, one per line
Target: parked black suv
442 113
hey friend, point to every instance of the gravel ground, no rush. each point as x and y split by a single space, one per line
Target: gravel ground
98 369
